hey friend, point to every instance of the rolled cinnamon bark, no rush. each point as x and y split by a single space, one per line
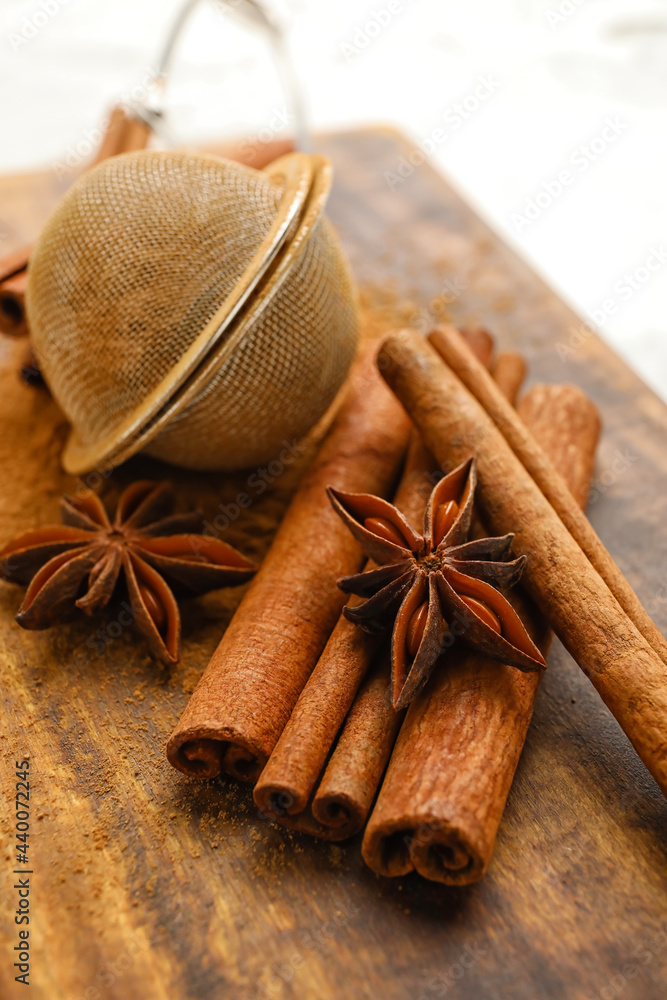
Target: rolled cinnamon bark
259 155
12 305
357 764
445 790
627 672
124 133
343 800
12 292
509 372
294 767
285 789
345 795
566 425
453 350
480 342
248 691
14 263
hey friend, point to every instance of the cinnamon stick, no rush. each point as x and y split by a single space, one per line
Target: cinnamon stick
452 348
348 787
124 133
349 784
293 769
285 788
340 806
12 305
445 790
12 292
480 342
628 674
248 691
509 372
261 154
15 262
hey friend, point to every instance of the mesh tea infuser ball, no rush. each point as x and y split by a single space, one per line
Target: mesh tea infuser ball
191 307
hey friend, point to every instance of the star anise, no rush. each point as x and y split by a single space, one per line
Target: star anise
78 563
434 587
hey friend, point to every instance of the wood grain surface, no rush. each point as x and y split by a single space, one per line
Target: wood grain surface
149 885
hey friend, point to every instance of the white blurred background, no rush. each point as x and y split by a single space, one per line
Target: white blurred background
549 115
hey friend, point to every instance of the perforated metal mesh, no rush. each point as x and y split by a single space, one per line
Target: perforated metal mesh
263 397
137 258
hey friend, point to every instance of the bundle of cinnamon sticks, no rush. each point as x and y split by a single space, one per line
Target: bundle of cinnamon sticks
297 698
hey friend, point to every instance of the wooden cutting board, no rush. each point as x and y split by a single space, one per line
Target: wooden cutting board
148 885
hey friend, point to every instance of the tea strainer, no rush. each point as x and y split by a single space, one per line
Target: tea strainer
191 307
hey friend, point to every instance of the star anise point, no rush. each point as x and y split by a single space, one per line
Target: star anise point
435 587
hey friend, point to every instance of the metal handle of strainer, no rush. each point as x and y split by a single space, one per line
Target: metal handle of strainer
150 108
